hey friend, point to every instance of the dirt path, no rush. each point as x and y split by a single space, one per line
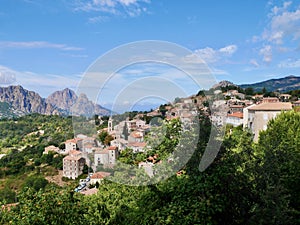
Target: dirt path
57 179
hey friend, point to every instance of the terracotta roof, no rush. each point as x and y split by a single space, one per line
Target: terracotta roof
112 148
71 141
51 148
136 134
275 106
236 114
137 144
74 140
74 152
76 158
100 175
88 145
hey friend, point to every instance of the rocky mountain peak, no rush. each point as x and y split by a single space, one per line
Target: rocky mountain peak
64 99
26 101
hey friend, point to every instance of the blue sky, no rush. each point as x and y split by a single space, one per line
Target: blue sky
48 45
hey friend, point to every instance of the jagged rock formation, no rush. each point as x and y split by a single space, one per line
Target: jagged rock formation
26 101
64 99
223 83
20 101
68 101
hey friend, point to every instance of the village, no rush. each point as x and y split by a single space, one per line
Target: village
229 108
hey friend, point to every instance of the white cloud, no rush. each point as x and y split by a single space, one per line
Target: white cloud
130 8
44 84
7 76
210 55
98 19
253 62
230 49
289 63
37 44
276 9
283 23
75 55
266 52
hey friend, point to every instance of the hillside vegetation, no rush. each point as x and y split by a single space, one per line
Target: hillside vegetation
248 183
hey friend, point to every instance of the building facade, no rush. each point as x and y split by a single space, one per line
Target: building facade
73 165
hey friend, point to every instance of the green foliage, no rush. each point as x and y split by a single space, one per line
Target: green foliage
46 207
249 91
102 136
247 183
35 182
163 139
125 132
108 139
278 176
7 195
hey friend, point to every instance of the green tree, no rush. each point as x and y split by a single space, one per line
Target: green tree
102 136
35 182
125 131
249 91
7 195
108 139
279 183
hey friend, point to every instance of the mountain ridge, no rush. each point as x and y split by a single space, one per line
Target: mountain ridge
284 84
64 102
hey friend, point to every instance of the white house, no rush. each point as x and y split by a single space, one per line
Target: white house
71 145
256 117
137 146
235 119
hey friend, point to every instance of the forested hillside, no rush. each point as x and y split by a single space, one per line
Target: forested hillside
248 183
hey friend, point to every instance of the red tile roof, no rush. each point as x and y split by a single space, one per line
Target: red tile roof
76 158
100 175
112 148
275 106
74 152
236 114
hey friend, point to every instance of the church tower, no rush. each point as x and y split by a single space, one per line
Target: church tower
110 125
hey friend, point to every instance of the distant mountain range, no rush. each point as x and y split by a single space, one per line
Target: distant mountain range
285 84
17 101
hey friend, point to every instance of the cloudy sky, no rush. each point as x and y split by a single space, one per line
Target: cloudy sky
50 45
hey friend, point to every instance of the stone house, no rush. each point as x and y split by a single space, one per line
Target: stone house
106 157
256 117
73 164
